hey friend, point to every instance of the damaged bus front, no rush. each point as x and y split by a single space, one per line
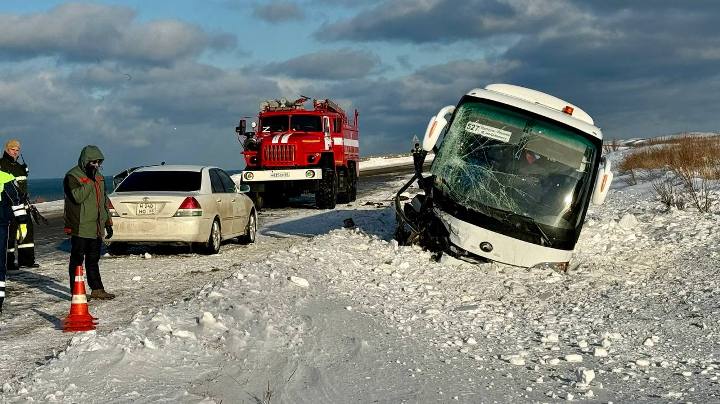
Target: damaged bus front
511 180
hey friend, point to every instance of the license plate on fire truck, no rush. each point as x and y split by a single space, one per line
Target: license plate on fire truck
146 208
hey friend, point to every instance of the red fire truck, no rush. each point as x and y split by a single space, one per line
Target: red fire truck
293 150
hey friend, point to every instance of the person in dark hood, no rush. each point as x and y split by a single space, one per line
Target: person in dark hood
87 218
25 247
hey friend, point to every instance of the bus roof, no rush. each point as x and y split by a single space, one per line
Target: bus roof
541 104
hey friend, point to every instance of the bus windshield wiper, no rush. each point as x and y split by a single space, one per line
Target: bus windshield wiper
543 236
529 222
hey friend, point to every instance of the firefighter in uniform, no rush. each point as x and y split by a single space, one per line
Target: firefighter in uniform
24 246
11 209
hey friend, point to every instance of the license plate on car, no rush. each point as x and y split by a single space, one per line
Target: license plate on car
145 208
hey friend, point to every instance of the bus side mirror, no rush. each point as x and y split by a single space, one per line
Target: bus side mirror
435 127
602 185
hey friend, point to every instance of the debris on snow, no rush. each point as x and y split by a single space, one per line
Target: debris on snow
149 344
550 338
302 282
651 341
584 376
628 221
573 358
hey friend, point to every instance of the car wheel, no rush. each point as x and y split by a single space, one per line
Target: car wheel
213 243
250 230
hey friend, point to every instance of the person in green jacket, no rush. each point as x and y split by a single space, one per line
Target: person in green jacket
87 218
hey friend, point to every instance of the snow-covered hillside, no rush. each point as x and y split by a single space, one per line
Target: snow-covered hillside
315 313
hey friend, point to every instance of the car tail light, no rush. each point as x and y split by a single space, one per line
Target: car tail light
189 207
111 208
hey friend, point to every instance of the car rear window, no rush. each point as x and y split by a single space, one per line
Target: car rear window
183 181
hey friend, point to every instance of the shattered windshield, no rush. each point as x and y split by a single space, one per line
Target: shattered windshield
514 166
275 123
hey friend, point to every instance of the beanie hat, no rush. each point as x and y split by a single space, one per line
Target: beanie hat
12 143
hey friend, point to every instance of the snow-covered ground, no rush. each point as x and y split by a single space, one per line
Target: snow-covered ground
314 312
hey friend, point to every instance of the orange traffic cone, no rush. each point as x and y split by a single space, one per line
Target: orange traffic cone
79 318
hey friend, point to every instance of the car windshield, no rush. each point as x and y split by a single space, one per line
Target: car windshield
180 181
306 123
515 166
274 123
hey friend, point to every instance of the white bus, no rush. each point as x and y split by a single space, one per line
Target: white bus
511 180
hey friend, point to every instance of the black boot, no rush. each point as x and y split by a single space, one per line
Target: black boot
101 294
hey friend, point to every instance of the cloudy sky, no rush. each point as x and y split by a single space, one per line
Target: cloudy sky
152 81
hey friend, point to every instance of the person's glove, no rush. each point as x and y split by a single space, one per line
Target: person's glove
22 231
109 232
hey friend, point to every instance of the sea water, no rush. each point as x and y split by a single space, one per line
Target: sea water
51 189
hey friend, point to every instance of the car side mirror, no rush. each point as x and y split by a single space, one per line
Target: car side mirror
602 185
244 188
435 127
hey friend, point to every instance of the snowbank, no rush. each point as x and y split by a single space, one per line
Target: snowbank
319 313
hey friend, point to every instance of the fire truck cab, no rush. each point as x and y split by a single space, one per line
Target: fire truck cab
293 150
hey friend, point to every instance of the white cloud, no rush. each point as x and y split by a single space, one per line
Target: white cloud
94 32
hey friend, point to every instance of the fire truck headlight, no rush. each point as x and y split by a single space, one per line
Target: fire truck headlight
249 176
309 174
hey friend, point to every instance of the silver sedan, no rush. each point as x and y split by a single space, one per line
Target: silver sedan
198 205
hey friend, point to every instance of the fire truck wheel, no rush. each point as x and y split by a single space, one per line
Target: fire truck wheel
258 199
326 195
344 195
353 189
